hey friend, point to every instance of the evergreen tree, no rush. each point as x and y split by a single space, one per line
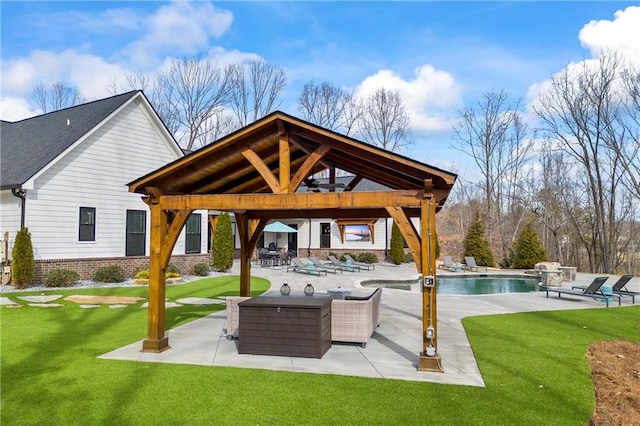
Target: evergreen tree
476 244
23 264
528 249
396 253
222 244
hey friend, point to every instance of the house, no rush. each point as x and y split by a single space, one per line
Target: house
319 237
64 175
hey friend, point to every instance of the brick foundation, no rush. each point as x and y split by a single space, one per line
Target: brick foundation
87 268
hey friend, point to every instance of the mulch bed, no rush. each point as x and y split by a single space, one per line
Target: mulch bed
615 368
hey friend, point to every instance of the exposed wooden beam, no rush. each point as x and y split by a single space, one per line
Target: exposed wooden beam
325 213
175 225
263 169
354 182
284 167
307 166
294 201
408 231
378 155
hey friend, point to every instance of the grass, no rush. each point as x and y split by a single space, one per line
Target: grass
534 366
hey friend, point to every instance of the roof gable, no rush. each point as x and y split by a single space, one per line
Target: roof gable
248 161
30 145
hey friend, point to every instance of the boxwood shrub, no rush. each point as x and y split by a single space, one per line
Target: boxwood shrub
109 274
61 278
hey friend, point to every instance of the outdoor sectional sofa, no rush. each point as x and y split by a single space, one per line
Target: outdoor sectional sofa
353 319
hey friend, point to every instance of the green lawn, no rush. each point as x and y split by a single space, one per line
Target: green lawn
534 366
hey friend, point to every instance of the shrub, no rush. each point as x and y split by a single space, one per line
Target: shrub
201 269
528 249
171 268
142 275
343 256
23 264
109 274
141 267
61 278
408 257
476 244
222 244
367 257
396 252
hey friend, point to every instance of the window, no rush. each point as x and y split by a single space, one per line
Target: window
87 229
325 235
193 234
136 233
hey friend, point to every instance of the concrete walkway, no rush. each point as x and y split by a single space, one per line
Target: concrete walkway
392 352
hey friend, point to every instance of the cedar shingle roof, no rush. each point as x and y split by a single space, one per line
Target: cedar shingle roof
29 145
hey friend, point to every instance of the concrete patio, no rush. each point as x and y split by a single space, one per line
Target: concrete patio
392 352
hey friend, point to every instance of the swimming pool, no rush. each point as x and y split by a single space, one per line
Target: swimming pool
489 284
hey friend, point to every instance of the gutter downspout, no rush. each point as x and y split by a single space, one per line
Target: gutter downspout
22 194
386 239
309 243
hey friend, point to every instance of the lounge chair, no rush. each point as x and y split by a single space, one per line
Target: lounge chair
592 290
328 268
335 262
470 264
369 266
447 263
300 267
619 288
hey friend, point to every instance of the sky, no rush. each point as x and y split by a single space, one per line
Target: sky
440 56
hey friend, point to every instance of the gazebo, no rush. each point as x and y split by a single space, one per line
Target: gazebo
255 174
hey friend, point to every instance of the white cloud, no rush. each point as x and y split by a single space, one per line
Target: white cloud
430 97
89 73
14 109
181 28
622 33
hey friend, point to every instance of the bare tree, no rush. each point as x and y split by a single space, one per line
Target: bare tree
154 92
219 124
56 97
493 134
627 144
190 93
580 112
255 88
323 104
384 121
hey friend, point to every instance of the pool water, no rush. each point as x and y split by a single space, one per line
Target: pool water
466 285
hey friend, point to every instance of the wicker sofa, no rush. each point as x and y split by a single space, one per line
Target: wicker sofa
354 319
233 316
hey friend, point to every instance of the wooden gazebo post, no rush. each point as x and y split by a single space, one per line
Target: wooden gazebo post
165 228
429 357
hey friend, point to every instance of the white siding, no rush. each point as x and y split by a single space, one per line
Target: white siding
9 217
95 174
304 237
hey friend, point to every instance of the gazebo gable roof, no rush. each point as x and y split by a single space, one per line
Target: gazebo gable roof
249 160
